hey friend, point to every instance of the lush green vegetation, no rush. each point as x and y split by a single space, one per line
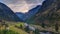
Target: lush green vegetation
19 30
13 29
8 32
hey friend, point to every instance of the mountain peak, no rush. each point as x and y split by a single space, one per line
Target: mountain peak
7 14
2 4
38 6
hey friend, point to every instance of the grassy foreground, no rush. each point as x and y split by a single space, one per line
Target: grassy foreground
20 31
13 29
8 32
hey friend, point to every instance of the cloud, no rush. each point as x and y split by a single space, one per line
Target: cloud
22 5
21 1
19 8
31 1
34 1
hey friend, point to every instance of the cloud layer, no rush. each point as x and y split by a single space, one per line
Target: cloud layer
22 5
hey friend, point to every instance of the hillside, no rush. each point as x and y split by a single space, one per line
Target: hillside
7 14
47 13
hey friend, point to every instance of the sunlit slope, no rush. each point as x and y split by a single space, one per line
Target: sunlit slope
17 30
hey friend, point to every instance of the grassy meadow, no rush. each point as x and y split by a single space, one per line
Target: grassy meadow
13 29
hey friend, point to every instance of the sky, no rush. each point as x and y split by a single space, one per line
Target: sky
22 5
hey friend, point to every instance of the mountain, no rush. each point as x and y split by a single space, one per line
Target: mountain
7 14
20 15
48 13
25 16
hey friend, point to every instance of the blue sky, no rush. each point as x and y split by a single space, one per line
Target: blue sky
22 5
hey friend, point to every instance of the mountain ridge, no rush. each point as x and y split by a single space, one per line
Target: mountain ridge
47 13
30 13
7 14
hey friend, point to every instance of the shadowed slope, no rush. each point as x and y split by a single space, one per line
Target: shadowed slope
7 14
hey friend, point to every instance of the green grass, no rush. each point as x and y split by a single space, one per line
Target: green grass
8 32
18 24
14 29
20 31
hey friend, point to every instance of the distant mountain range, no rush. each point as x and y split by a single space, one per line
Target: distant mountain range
31 12
48 13
7 14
